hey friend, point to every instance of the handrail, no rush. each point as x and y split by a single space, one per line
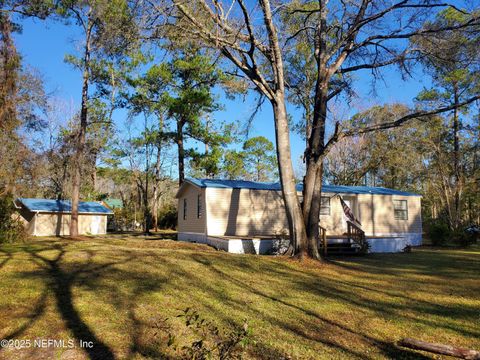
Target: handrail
322 241
357 235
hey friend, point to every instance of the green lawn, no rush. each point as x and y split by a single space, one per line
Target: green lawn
122 292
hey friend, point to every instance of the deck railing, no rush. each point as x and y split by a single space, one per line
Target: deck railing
357 235
322 240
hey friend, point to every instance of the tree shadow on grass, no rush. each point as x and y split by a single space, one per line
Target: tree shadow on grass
62 272
60 282
7 256
452 264
204 285
312 331
355 293
31 317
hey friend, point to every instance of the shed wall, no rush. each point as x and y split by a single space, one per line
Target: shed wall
48 224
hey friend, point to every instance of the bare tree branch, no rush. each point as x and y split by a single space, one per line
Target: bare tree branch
404 119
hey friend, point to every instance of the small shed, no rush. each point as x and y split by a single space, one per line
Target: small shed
45 217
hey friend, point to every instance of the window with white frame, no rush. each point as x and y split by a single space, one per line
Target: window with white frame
400 209
325 205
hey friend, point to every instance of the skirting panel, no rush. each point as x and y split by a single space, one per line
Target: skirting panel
389 244
394 242
238 246
192 237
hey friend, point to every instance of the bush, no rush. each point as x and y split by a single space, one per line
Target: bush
167 217
11 227
439 233
124 219
463 238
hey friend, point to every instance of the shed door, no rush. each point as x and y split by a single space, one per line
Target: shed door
95 224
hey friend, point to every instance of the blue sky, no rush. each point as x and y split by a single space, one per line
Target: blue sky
44 44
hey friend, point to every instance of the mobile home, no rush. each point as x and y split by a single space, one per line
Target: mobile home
246 216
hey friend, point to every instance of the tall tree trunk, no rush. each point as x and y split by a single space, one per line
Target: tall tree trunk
156 186
10 66
181 152
258 171
155 207
314 155
393 179
296 224
158 171
8 100
146 207
298 235
93 175
313 184
456 160
79 154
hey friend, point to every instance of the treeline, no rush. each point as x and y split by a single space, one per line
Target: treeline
47 145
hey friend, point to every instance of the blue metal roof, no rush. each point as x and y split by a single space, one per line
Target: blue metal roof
243 184
46 205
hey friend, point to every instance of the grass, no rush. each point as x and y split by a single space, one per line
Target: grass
114 291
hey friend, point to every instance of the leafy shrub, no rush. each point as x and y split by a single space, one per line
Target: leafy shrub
11 227
124 219
167 217
439 233
463 238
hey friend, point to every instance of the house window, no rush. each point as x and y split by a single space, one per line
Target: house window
199 206
325 205
184 209
400 209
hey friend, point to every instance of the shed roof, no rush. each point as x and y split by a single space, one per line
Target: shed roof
113 203
64 206
244 184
